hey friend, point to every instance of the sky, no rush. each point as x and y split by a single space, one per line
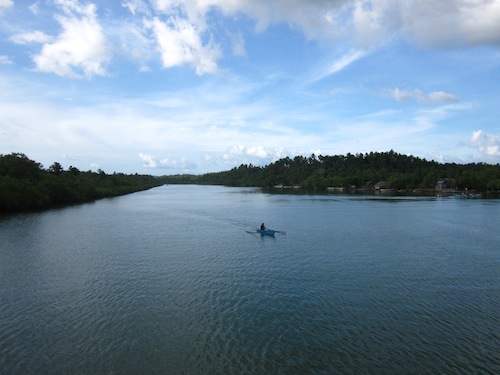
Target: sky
166 87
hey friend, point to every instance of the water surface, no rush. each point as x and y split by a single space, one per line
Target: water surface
169 281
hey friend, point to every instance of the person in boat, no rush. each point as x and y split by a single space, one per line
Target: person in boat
262 226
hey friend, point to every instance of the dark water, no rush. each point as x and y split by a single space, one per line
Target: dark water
167 281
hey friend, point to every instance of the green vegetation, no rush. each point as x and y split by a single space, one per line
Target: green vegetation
26 185
400 172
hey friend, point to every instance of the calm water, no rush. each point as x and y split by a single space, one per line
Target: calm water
168 281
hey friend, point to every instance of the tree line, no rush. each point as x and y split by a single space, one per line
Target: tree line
26 185
317 173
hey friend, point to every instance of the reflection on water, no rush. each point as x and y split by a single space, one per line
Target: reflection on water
168 281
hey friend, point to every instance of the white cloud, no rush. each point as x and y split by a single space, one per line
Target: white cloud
136 6
148 161
179 31
441 97
489 145
181 163
94 166
81 48
257 152
34 8
481 21
369 22
184 32
360 24
260 155
4 4
5 60
180 135
372 22
31 37
444 23
315 18
238 43
179 42
436 97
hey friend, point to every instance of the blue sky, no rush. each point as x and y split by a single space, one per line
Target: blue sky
194 86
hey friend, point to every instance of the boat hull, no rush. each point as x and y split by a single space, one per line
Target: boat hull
266 232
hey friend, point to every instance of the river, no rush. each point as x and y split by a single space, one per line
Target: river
168 281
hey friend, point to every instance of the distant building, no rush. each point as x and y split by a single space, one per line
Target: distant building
381 185
445 183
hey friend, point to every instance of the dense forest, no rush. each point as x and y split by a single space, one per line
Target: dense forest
26 185
360 171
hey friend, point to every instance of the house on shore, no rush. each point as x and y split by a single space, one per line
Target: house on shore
381 185
445 184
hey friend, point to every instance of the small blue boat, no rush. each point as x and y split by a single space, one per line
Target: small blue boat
266 232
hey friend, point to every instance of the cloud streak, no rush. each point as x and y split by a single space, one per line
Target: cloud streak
32 37
335 66
436 97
